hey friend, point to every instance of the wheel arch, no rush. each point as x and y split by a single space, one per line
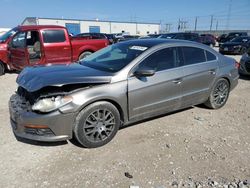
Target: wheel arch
85 50
229 81
113 102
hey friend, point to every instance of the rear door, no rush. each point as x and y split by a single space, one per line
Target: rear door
199 72
18 54
159 93
57 46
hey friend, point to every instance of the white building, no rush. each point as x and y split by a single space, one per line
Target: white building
3 30
84 26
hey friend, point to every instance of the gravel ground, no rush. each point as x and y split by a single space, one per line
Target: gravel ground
196 147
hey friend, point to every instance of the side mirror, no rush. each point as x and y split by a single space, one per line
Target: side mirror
144 72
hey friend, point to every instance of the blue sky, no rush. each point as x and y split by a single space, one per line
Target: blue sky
13 12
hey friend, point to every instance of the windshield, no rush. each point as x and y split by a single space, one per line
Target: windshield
113 58
8 34
240 39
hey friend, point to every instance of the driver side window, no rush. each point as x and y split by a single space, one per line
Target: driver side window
19 40
161 60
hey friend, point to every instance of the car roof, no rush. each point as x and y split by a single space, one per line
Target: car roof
154 42
232 33
243 37
37 27
179 33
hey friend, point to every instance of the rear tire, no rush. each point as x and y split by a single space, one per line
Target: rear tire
84 54
219 94
97 124
2 69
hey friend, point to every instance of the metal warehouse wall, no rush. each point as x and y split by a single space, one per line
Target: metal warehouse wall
105 26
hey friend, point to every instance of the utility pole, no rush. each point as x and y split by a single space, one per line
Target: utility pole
217 23
195 23
211 24
160 30
168 27
182 25
179 24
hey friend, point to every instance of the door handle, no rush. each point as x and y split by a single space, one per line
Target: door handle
177 81
211 72
66 48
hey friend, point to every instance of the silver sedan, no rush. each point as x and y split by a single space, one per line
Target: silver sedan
116 86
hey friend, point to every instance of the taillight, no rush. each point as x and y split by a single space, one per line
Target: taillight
237 65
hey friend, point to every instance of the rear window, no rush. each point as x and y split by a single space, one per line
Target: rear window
193 55
210 56
54 36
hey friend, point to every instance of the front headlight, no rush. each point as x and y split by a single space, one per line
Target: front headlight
50 104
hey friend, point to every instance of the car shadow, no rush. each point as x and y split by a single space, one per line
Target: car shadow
243 77
37 143
74 142
156 117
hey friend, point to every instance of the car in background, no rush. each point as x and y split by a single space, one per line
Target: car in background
95 36
221 37
245 64
111 38
153 35
34 45
231 36
150 36
208 39
127 37
236 46
4 56
119 85
181 36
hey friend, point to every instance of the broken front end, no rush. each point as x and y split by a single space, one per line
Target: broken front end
44 115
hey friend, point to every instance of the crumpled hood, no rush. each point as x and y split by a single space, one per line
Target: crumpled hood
35 78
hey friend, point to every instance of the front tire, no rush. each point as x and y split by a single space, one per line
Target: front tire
219 94
2 69
97 124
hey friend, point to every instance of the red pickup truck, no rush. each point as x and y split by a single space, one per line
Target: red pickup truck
42 44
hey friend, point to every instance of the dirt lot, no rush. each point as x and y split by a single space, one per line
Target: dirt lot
193 147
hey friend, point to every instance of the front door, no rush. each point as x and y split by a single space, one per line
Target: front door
149 96
18 51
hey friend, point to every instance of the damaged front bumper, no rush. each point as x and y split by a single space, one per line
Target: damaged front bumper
48 127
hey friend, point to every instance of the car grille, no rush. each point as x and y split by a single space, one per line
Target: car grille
247 65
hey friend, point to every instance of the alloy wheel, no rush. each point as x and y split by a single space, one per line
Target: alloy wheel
220 93
99 125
